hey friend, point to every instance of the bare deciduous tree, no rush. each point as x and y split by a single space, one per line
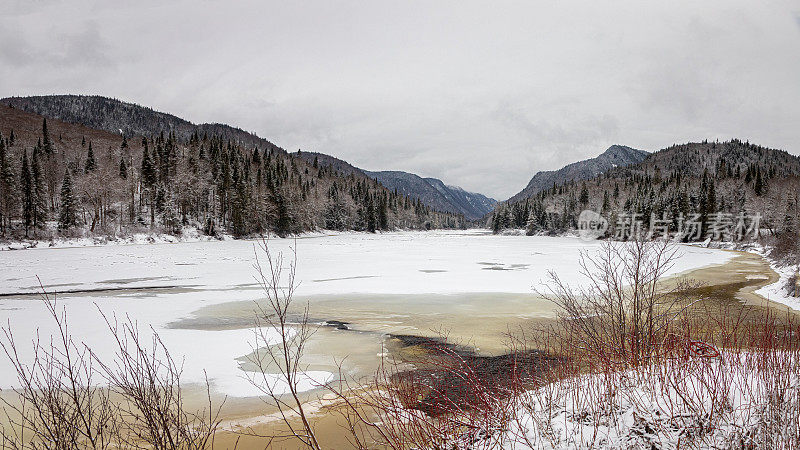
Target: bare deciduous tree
278 283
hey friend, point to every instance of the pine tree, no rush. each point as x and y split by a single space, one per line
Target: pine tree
26 188
47 145
39 193
759 185
383 214
283 220
7 189
123 169
584 198
148 170
91 163
68 215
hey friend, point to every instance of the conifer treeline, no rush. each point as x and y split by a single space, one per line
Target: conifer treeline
705 178
160 182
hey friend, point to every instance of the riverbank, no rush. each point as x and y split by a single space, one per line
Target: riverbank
728 288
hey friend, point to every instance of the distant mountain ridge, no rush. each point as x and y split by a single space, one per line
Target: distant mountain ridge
436 193
615 156
431 191
117 116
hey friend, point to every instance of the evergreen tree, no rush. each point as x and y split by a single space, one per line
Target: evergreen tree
148 170
47 145
39 193
383 214
7 187
606 203
26 188
584 198
759 185
790 217
123 169
283 220
68 215
91 163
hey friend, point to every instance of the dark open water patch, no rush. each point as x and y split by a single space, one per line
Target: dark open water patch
448 377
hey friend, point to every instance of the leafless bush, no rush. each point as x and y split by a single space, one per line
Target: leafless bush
147 380
277 280
69 398
58 404
625 312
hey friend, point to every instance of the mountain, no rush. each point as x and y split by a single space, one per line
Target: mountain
694 158
435 193
93 182
614 156
130 119
431 191
116 116
718 185
472 204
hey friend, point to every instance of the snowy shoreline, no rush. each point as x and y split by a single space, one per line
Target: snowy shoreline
776 292
188 235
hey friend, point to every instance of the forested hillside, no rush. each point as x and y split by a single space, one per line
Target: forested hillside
130 119
59 178
706 179
119 117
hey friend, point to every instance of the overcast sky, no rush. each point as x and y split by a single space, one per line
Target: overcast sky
479 94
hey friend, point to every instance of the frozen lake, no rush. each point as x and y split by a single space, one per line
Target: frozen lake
199 296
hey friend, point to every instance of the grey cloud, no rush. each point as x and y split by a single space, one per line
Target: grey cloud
479 97
61 49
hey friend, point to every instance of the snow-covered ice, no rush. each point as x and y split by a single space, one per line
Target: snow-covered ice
159 284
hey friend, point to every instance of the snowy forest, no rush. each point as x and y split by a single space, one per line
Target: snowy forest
66 179
706 179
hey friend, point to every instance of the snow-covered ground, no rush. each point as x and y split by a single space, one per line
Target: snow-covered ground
188 234
777 292
159 284
740 400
